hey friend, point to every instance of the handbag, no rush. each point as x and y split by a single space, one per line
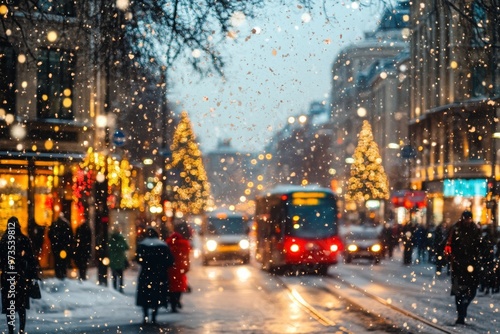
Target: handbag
34 290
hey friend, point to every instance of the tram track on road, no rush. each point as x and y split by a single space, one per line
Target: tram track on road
297 298
396 319
386 304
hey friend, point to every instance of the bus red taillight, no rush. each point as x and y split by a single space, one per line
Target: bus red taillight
294 248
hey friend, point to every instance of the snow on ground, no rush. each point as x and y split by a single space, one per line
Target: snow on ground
70 302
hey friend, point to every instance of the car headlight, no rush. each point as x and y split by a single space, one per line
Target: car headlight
376 248
211 245
244 244
352 248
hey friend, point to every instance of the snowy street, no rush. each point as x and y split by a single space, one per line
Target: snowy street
243 298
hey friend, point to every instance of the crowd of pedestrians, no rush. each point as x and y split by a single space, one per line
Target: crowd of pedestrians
164 263
464 251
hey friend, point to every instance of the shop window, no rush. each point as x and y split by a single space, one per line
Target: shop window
13 199
57 7
55 85
7 80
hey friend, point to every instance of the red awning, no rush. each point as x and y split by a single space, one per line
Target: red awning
409 199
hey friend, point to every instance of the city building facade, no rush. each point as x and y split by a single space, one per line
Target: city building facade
454 107
49 100
370 82
64 131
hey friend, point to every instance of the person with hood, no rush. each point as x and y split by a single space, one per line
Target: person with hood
177 278
118 262
463 246
154 257
19 268
61 239
83 249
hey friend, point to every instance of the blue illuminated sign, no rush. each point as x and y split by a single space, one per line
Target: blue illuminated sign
465 187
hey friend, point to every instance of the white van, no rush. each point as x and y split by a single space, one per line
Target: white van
224 236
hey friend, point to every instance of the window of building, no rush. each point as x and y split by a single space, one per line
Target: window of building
55 84
479 18
7 80
478 88
57 7
475 136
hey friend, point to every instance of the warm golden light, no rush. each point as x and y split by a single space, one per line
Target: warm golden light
52 36
67 102
49 144
3 9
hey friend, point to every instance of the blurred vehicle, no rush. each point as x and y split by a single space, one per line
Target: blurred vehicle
362 243
297 229
224 236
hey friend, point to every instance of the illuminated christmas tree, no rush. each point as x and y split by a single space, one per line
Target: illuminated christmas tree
191 190
368 180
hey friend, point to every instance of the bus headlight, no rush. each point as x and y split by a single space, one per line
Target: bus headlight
244 244
352 248
211 245
294 248
376 248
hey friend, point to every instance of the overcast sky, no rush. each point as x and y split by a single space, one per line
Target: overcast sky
271 75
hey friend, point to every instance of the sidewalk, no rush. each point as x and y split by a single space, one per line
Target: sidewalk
72 302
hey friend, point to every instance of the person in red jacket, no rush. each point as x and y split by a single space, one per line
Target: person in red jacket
178 283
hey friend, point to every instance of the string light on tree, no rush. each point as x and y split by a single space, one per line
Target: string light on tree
192 191
368 180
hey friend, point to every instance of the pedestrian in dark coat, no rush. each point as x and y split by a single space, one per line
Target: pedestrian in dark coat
177 278
420 241
154 257
386 238
36 234
118 262
439 242
19 268
487 281
408 238
83 249
463 245
61 238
